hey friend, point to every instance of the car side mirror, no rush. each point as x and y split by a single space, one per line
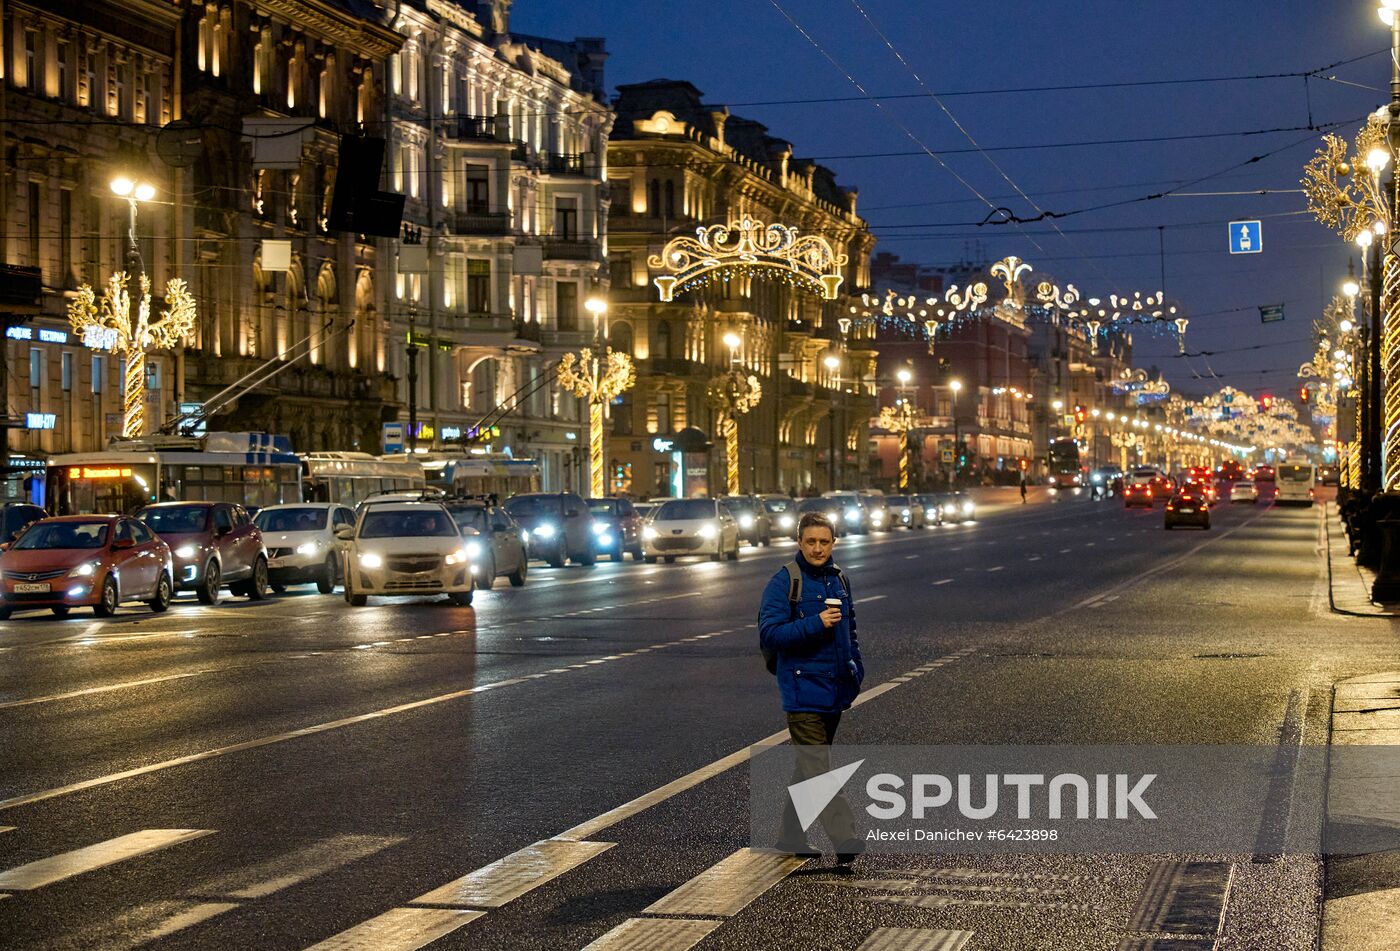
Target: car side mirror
345 532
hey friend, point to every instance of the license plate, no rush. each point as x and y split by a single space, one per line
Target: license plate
33 588
274 562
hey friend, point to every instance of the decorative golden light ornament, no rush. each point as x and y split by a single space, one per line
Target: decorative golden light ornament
111 324
900 419
597 379
732 395
751 245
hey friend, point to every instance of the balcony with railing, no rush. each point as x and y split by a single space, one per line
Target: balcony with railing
569 248
576 164
473 129
493 223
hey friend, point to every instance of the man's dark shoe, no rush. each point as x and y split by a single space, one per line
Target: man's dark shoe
848 851
798 848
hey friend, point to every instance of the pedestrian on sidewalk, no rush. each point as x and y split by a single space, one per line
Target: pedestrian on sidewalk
1023 487
807 629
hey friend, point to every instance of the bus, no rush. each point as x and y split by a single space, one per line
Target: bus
252 469
1295 483
1062 465
351 477
493 473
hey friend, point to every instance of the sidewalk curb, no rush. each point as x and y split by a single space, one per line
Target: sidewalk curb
1348 584
1361 894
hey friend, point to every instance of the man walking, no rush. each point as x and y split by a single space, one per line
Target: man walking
807 629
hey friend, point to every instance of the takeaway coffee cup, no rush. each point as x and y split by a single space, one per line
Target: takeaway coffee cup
834 603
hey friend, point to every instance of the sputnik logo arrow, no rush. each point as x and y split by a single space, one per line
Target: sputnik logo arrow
811 796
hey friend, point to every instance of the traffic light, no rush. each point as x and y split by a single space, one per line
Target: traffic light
1025 464
1267 401
1079 414
1303 394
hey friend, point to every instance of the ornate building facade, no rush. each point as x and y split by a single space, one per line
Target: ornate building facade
84 89
676 164
498 142
255 72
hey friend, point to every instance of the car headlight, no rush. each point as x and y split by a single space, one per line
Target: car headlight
605 540
473 550
834 517
649 533
904 514
967 508
544 531
461 556
600 528
186 551
709 530
746 521
308 548
853 515
949 508
1097 477
369 559
86 570
786 521
877 517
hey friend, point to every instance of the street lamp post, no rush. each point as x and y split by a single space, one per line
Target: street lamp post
833 363
732 394
956 386
904 377
597 374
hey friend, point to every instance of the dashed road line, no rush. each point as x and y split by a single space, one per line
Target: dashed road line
996 568
401 929
655 934
873 597
727 887
56 868
943 581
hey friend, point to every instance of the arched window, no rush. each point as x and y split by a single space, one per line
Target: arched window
620 337
662 348
670 199
654 199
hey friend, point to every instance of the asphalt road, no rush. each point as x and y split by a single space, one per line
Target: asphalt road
334 765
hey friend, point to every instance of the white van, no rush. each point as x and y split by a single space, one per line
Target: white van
1295 483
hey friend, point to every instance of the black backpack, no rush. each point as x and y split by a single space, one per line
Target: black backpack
770 658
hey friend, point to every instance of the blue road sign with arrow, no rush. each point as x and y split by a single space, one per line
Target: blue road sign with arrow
1246 237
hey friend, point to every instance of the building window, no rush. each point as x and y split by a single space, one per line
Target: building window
662 348
65 71
566 305
36 371
654 198
324 92
34 224
622 414
620 270
31 60
566 218
620 338
66 369
479 287
670 199
65 237
478 190
99 373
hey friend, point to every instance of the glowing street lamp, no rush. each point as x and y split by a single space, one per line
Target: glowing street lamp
733 394
597 374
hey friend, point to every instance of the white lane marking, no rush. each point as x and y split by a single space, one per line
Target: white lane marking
507 879
910 557
1065 551
873 597
184 915
727 887
58 867
944 581
103 689
592 827
997 568
279 737
8 828
915 939
1033 558
401 929
654 934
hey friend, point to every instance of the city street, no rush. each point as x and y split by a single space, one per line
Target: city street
336 775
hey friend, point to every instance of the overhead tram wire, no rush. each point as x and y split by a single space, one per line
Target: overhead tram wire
880 107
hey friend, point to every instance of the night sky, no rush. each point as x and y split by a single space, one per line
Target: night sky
746 51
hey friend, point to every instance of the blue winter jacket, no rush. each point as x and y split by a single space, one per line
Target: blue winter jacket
819 670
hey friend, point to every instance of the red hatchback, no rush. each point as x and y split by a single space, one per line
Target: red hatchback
1137 493
215 544
95 561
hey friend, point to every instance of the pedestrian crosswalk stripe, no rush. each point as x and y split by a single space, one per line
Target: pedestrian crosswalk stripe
7 828
297 866
915 939
399 929
59 867
728 886
187 915
654 934
507 879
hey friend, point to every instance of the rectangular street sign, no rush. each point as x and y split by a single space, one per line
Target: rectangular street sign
1271 313
1246 237
947 455
392 438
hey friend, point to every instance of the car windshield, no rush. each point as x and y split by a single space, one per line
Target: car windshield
602 506
535 506
816 505
174 519
739 506
469 516
897 499
50 535
433 523
777 505
306 519
680 510
1294 473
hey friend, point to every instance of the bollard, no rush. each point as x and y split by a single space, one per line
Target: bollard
1386 589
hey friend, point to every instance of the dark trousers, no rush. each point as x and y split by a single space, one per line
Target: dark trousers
812 735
